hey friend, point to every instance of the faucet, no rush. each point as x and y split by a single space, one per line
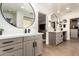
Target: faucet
27 30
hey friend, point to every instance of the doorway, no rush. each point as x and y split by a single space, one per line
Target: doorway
74 28
42 25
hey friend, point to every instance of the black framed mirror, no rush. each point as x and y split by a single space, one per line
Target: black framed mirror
20 15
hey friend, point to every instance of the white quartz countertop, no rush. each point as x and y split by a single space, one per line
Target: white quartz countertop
17 35
56 31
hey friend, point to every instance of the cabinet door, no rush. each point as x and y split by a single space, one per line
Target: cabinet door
74 33
52 38
19 52
39 46
28 48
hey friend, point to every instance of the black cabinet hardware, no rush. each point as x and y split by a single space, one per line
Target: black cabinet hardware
7 42
8 49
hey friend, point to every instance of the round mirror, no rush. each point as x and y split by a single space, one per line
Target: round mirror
20 15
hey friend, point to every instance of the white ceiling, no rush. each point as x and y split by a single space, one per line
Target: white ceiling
48 7
61 7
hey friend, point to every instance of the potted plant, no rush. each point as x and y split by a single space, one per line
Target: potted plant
1 30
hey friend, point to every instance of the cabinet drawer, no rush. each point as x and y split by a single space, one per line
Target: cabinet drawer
11 41
28 38
38 37
32 37
10 48
14 53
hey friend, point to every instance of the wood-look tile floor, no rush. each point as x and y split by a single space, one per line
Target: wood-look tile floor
67 48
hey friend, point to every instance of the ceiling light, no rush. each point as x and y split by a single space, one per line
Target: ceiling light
58 11
67 8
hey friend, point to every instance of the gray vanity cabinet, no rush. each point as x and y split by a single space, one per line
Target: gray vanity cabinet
55 38
21 46
33 45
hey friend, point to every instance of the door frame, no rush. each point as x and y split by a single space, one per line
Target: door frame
45 22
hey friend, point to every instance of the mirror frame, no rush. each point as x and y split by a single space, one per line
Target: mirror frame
54 16
15 26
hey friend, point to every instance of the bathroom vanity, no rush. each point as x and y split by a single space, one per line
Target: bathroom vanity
21 45
18 18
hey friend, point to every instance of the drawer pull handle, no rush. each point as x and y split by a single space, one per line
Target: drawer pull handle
8 49
61 35
33 44
7 42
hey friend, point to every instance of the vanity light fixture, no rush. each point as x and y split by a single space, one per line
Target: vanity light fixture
68 10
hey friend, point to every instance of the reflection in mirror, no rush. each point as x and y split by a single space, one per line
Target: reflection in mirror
20 15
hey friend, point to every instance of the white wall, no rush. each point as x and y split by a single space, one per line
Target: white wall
68 16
